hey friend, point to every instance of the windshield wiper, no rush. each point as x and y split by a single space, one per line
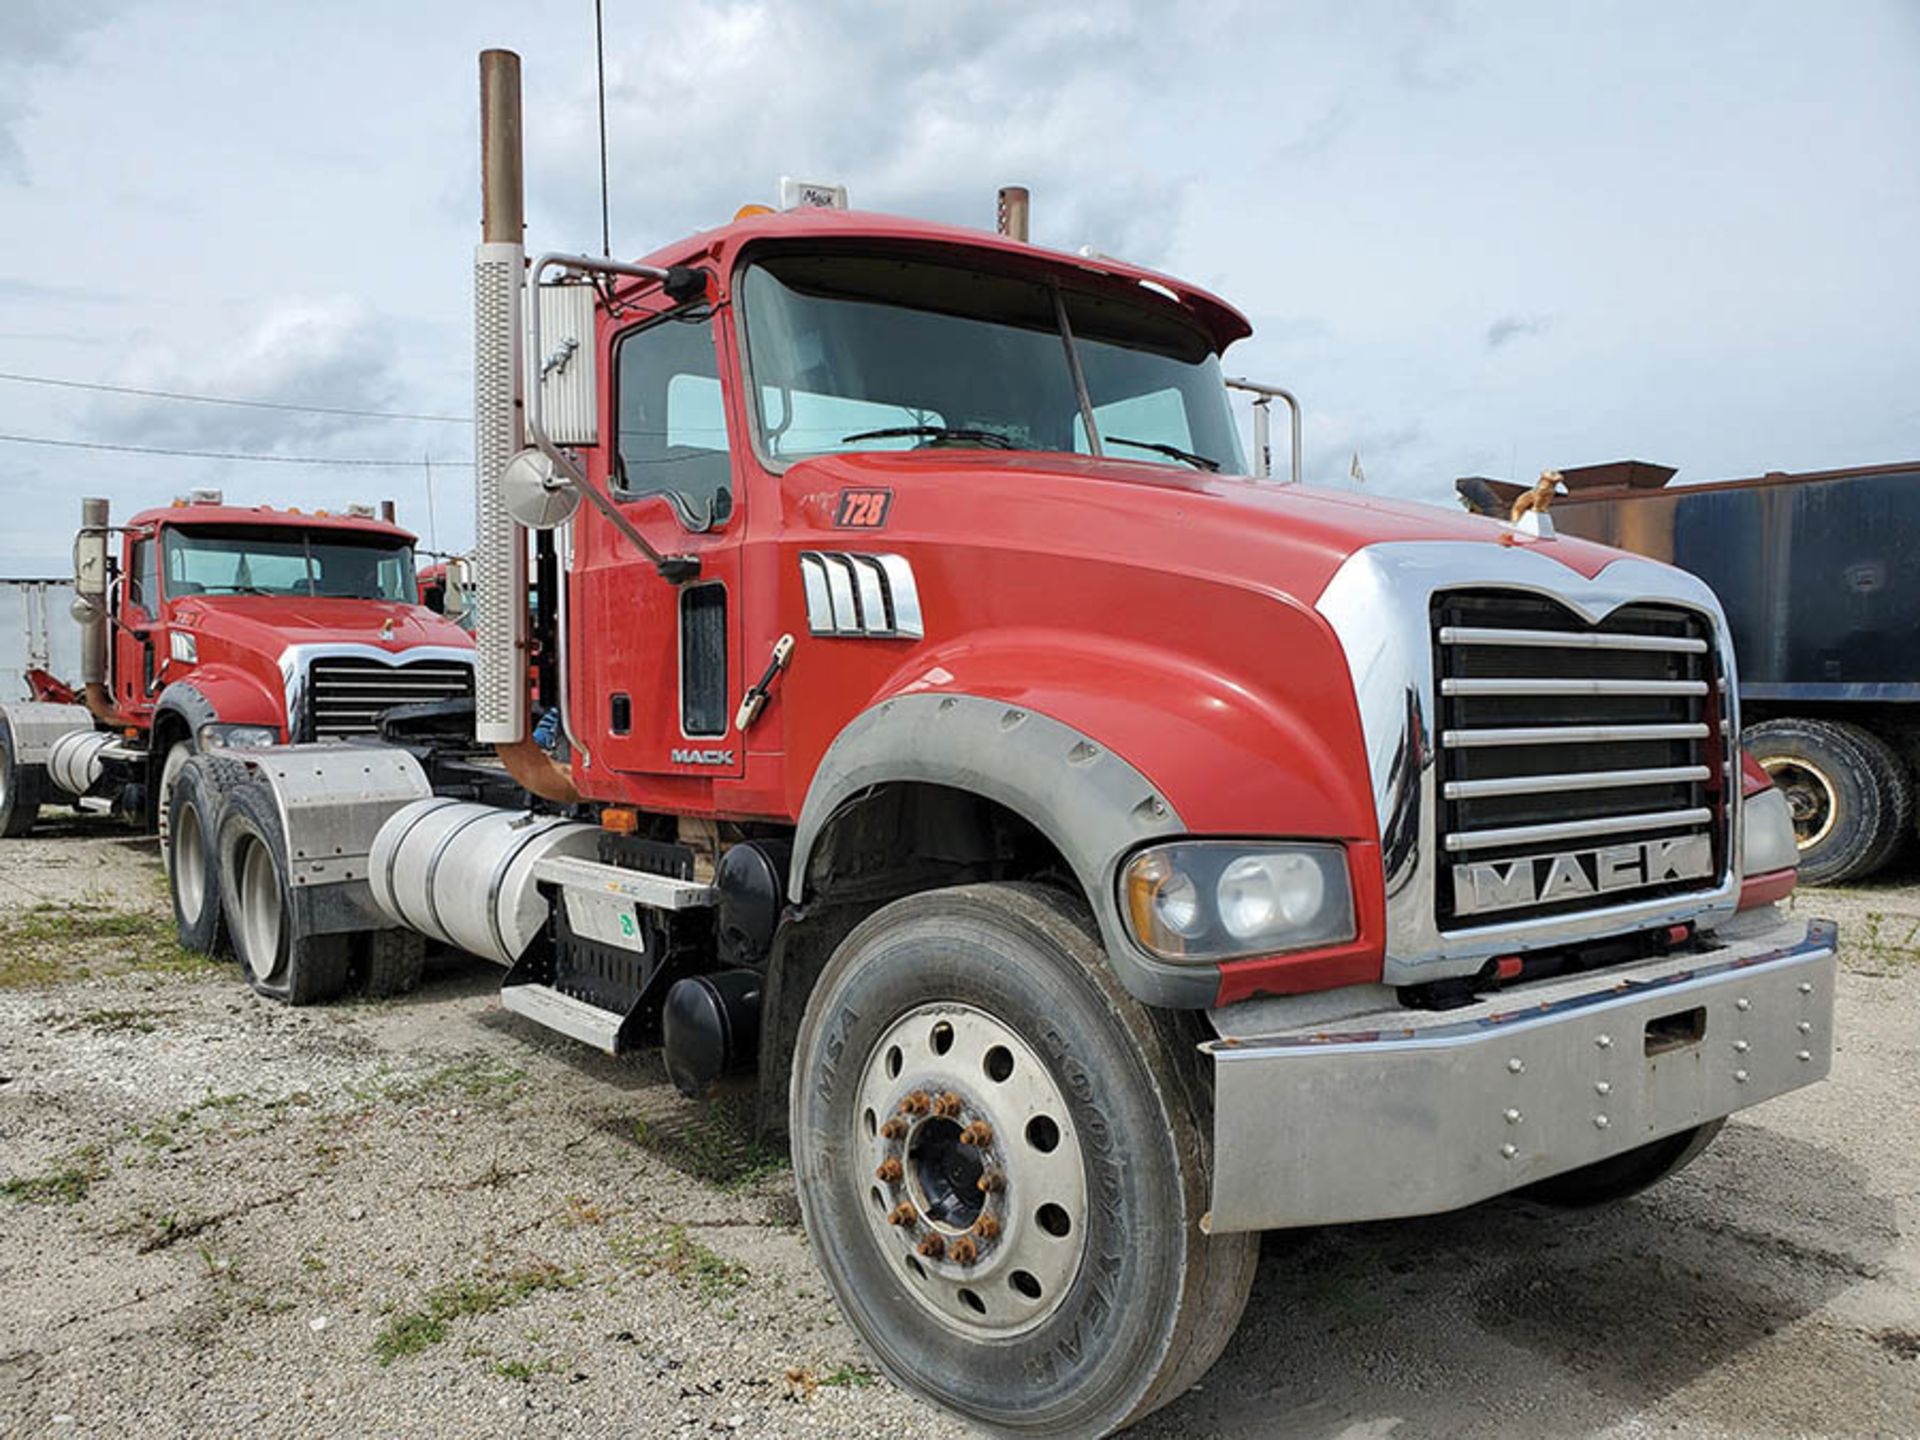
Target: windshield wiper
1199 462
238 589
991 438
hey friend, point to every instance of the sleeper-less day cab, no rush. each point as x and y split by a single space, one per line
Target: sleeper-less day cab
1100 852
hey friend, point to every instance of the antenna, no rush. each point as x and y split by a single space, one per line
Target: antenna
600 74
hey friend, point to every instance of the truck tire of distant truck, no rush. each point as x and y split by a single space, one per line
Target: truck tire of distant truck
1848 791
992 1140
21 788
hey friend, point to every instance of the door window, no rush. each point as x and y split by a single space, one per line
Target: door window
672 438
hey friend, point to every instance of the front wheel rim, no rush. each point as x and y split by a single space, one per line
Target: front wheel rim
260 909
1812 799
976 1184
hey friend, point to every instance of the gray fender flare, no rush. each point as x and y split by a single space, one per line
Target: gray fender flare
184 699
332 800
1090 803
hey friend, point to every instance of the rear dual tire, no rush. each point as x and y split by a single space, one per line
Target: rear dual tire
1091 1298
279 958
196 804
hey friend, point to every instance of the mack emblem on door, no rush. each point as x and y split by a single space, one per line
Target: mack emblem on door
863 509
1486 885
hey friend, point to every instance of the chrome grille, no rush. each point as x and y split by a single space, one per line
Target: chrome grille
347 695
1564 747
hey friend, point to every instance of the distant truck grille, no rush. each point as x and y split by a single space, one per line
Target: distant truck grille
347 696
1580 766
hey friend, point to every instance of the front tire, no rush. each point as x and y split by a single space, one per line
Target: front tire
968 1057
279 958
22 788
1626 1174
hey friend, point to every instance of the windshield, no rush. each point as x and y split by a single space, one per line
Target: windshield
234 560
868 352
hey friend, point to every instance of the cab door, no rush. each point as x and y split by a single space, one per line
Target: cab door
136 676
657 665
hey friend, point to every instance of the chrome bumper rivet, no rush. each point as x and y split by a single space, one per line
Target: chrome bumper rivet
1513 1117
1806 1027
1744 1004
1740 1077
1603 1087
1740 1047
1806 1055
1515 1065
1806 987
1600 1122
1605 1042
1509 1151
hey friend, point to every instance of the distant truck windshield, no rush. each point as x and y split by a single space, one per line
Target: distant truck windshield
238 560
843 346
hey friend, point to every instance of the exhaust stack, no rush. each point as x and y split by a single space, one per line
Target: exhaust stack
500 546
1015 208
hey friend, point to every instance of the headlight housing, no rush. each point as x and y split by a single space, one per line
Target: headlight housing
1207 900
237 737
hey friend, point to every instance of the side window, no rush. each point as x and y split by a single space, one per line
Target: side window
672 436
143 584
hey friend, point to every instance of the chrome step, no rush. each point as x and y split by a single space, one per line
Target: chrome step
546 1006
657 892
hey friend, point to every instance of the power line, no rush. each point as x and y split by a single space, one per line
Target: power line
353 462
232 400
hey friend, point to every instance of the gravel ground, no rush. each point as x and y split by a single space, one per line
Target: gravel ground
429 1218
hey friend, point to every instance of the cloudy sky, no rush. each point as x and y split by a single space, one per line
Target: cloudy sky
1473 238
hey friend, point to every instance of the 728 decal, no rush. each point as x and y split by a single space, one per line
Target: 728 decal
863 509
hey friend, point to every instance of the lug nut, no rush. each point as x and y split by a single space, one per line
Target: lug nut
916 1104
894 1129
934 1246
963 1251
978 1134
992 1182
889 1172
987 1227
903 1214
947 1106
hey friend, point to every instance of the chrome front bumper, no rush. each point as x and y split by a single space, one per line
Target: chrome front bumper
1398 1112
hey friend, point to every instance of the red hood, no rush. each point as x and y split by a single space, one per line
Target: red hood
269 624
1226 526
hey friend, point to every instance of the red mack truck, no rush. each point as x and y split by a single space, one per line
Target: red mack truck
1099 852
208 626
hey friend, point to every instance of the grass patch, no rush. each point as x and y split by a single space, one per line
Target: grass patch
714 1143
851 1377
480 1079
413 1331
67 1183
669 1250
116 1022
1883 940
49 943
525 1370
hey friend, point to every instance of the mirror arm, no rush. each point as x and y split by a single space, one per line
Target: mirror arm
674 569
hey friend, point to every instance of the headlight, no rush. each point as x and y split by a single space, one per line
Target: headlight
1208 900
237 737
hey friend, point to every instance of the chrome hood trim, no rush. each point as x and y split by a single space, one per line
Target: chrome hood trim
1378 604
